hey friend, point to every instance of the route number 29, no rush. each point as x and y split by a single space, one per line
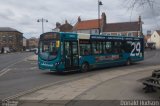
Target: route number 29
136 49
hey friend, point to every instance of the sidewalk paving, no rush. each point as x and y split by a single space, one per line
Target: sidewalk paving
108 85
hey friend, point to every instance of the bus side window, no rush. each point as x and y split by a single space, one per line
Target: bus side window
86 52
85 47
108 47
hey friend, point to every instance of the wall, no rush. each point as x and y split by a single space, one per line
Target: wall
155 37
12 40
90 31
132 33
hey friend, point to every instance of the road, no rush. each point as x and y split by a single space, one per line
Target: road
25 75
9 59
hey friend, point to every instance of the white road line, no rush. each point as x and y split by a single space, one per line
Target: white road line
4 72
32 68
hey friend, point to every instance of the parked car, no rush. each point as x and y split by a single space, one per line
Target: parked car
27 50
150 45
6 50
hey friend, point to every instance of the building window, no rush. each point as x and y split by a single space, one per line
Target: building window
108 34
10 39
4 38
119 34
96 31
129 34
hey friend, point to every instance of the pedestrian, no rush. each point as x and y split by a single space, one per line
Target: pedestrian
2 50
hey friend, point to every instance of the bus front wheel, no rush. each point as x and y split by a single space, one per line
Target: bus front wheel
85 67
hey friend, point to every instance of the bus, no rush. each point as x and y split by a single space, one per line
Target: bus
64 52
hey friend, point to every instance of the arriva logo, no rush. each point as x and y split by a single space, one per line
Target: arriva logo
48 65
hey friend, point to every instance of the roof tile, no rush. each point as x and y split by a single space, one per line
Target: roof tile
87 24
124 26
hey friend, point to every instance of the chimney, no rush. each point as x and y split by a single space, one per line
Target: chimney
66 22
140 25
103 22
79 19
139 19
58 24
103 17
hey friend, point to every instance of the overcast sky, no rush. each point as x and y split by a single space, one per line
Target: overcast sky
23 14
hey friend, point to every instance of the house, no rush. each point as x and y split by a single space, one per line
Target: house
11 39
122 28
66 27
155 37
90 26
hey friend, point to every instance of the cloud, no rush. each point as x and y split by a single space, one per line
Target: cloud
22 15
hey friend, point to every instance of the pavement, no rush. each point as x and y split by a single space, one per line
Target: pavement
33 58
110 85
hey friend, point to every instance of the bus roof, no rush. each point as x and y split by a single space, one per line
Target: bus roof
96 36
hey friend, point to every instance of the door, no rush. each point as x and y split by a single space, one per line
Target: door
71 55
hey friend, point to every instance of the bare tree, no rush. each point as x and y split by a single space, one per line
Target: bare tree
148 8
140 3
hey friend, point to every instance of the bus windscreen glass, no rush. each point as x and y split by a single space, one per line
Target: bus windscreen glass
48 46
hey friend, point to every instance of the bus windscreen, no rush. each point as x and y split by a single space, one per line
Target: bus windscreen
48 46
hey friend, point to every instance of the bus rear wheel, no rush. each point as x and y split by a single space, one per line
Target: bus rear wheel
85 67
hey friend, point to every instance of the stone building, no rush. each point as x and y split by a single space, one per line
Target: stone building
11 39
32 43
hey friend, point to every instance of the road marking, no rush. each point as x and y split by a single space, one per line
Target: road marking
4 72
32 68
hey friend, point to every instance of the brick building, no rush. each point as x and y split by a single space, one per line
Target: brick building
11 38
66 27
121 28
124 28
89 26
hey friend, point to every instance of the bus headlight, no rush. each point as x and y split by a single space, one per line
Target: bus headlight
57 63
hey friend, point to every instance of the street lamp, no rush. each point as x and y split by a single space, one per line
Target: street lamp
99 4
42 20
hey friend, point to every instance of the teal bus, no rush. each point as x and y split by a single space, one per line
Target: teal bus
64 52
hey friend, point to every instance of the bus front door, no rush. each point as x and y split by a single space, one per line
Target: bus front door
71 55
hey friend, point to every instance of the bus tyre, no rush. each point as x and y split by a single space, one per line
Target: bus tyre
128 62
85 67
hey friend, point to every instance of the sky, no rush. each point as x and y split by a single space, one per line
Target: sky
23 14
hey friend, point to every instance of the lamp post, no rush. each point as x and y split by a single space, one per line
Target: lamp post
42 20
99 4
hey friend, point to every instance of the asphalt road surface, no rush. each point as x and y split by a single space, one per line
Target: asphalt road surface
8 59
25 75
